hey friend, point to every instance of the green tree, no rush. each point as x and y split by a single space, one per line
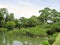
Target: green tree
10 25
18 23
23 21
44 14
11 17
32 22
7 17
55 15
48 14
3 12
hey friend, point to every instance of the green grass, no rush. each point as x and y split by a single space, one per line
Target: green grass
57 42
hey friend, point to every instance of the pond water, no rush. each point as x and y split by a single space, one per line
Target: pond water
19 40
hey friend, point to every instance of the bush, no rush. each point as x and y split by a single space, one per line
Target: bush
45 42
32 32
57 29
50 32
51 40
56 26
17 32
37 31
10 25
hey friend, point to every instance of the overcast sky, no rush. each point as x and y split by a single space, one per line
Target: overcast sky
27 8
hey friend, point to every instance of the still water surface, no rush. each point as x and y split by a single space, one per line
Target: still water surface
19 40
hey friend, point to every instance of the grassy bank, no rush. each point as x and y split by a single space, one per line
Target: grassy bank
57 42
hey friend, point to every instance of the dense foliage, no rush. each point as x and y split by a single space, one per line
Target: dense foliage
47 24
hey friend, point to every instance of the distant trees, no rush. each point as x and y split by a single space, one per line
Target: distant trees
23 21
5 18
9 17
49 14
46 15
32 22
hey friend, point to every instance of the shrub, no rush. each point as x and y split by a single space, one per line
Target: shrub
57 29
45 42
32 32
10 25
51 40
50 32
37 31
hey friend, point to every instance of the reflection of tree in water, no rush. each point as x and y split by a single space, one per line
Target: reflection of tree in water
1 38
31 43
9 40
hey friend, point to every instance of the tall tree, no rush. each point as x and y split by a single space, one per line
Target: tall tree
3 12
7 17
44 14
32 22
49 15
11 17
23 21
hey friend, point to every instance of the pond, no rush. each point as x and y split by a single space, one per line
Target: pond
19 40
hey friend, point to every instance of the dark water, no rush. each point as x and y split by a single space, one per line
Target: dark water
19 40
